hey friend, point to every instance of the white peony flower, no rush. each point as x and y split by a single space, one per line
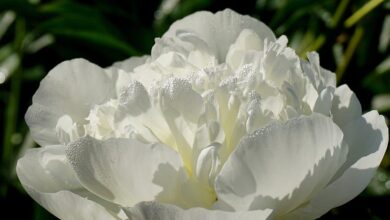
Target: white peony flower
222 121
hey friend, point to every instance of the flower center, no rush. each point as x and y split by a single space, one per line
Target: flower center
203 113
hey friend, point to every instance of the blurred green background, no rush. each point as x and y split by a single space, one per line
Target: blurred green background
351 36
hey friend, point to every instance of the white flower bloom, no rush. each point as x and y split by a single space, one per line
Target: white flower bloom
222 121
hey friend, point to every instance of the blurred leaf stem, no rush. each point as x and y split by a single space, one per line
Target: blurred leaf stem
11 114
318 42
315 44
359 14
339 13
353 43
6 21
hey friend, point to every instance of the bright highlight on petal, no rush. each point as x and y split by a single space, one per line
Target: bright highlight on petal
222 121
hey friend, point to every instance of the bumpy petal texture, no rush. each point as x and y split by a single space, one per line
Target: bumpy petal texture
125 171
221 121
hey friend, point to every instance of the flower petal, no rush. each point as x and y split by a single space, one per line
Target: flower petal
123 71
346 106
70 205
280 63
157 211
189 45
323 104
247 42
42 121
125 171
130 64
282 165
47 170
367 137
219 30
71 88
48 179
319 77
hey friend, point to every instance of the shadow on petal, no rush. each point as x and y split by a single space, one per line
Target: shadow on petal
314 181
362 138
168 178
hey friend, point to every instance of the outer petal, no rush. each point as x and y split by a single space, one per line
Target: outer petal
130 64
71 88
122 71
219 30
69 205
49 180
346 107
324 102
319 77
281 166
125 171
157 211
247 42
367 137
192 47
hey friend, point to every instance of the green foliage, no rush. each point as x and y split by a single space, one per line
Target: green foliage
352 38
